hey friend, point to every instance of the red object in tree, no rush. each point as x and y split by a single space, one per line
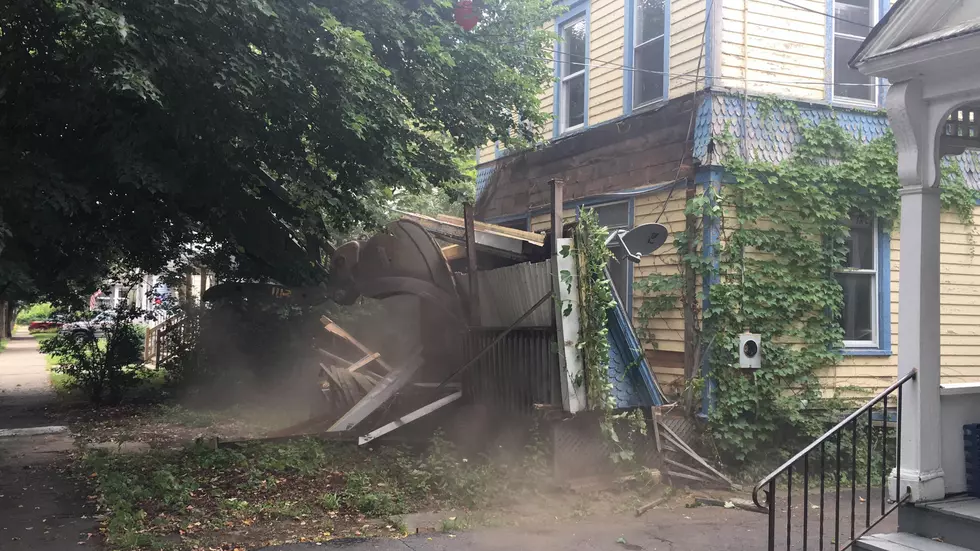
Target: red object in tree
465 15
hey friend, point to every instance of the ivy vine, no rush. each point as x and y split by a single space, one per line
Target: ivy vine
782 230
596 298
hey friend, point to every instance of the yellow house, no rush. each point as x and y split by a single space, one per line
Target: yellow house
642 92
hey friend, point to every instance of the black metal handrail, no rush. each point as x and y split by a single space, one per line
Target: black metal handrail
768 484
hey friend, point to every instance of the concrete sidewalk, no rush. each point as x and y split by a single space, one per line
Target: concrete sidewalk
25 387
42 507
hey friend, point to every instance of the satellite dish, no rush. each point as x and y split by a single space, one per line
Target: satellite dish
645 239
640 240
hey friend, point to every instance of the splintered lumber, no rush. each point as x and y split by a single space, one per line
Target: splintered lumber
340 361
676 474
483 226
329 325
656 430
381 393
659 501
363 362
346 388
677 442
406 419
691 470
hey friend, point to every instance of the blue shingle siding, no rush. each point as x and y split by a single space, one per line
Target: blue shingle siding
772 138
483 174
633 383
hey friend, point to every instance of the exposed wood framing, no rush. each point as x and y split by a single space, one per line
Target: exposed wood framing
339 331
474 290
381 393
363 362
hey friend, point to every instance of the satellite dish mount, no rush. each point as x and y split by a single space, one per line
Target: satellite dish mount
639 241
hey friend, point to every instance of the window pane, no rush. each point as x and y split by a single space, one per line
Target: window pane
649 20
575 101
619 272
616 215
860 246
573 47
849 83
853 17
648 80
859 296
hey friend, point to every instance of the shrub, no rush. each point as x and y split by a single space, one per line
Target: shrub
101 368
35 312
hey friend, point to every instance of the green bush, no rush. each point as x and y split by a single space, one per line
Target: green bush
102 368
35 312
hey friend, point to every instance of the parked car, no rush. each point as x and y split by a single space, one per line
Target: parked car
44 325
92 328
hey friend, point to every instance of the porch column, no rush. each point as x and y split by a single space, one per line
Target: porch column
918 344
915 123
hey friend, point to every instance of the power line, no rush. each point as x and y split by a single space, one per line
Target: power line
832 16
691 75
694 110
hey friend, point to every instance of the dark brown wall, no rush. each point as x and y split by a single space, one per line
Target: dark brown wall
641 150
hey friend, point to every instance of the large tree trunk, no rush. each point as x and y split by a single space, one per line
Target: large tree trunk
6 319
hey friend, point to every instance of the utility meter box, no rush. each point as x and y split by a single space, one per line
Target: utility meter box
750 351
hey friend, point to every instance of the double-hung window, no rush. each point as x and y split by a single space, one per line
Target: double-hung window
571 73
649 37
853 20
858 276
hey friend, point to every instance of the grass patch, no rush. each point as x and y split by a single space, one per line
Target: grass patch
305 488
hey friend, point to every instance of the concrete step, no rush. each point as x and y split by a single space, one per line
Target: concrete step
902 541
954 520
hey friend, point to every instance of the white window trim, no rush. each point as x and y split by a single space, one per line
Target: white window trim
845 100
873 343
662 36
563 79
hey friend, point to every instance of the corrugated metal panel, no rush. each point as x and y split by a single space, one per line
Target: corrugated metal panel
517 373
506 293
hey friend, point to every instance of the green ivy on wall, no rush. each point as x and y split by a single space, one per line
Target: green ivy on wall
596 298
782 230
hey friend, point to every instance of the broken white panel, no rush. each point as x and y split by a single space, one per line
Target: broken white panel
567 300
406 419
381 393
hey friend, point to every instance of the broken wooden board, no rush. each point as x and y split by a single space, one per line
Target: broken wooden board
490 238
530 237
381 393
332 327
676 442
346 388
335 358
408 418
363 362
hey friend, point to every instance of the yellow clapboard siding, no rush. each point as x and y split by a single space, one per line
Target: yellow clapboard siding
959 315
667 329
606 47
687 21
769 47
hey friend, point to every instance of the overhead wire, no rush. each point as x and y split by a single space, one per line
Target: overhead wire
830 15
691 75
694 110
